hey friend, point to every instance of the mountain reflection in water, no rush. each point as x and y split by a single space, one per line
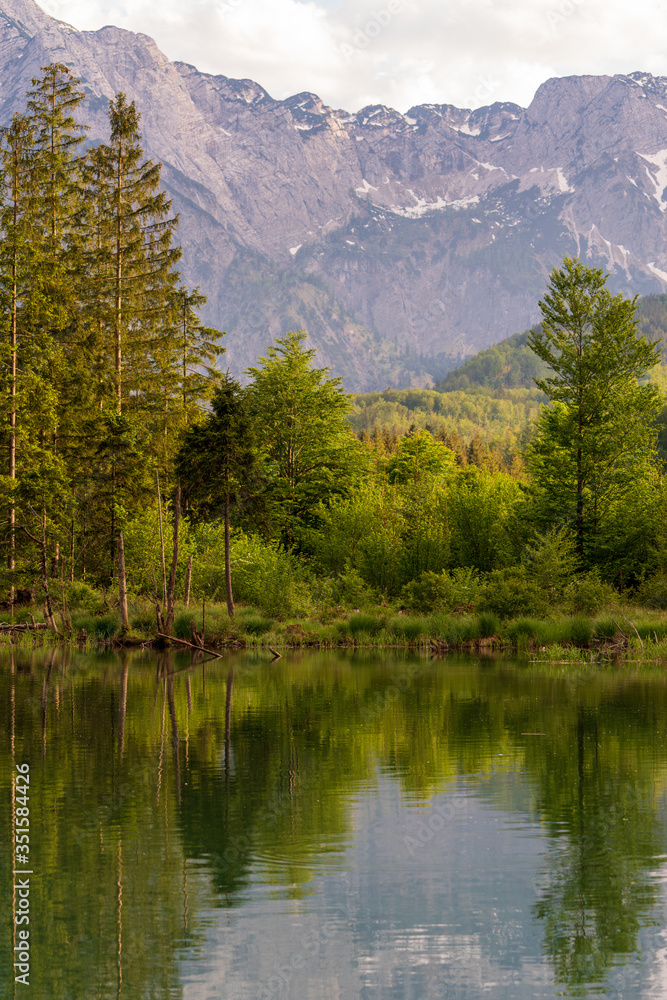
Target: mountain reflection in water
336 825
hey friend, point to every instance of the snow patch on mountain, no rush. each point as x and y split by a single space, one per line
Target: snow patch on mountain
658 178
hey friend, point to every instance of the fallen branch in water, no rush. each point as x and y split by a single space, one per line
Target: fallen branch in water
184 642
25 627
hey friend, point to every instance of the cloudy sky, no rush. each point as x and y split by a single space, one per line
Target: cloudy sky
395 52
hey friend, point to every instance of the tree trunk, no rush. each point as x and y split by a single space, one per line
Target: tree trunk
164 565
122 587
188 578
45 579
228 563
174 563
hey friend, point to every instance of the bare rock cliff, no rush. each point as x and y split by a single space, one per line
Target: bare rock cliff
400 242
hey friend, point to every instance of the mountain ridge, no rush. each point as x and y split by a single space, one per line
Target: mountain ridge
390 237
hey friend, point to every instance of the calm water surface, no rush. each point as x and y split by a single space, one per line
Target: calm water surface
336 826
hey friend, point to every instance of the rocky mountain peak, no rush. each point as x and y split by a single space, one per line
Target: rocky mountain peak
399 241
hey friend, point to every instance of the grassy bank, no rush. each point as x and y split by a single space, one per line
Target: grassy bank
616 631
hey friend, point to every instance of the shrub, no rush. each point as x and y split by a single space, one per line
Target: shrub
351 590
82 597
587 594
432 591
652 593
273 580
510 592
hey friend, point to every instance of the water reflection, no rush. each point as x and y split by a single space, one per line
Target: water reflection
335 825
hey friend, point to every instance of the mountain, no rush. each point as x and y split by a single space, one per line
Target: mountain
402 243
511 364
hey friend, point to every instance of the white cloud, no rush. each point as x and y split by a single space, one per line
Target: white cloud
395 52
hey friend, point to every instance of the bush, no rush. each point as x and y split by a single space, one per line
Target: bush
82 597
510 592
432 591
588 594
273 580
351 590
652 593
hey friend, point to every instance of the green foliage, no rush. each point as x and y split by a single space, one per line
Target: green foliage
270 578
256 625
605 629
457 588
363 623
351 590
419 457
588 594
652 592
510 364
410 628
488 625
81 596
481 509
308 450
511 592
595 439
581 630
551 561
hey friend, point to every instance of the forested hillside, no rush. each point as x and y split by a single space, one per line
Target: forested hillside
136 471
489 403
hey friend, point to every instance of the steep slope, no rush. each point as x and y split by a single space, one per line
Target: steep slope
400 242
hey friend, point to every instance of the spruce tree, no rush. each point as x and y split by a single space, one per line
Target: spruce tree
217 464
135 253
130 260
595 439
30 357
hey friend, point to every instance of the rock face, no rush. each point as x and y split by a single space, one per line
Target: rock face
400 242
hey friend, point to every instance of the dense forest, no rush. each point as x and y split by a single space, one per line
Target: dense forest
139 477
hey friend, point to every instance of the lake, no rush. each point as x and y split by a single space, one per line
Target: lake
332 825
